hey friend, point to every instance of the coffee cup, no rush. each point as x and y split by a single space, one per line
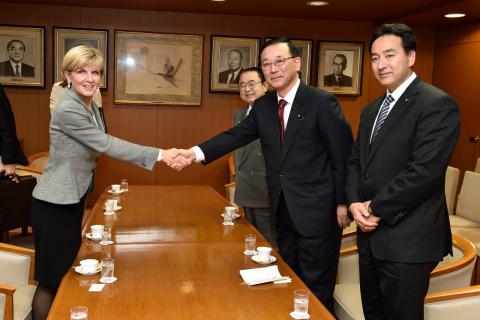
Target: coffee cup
89 265
264 253
96 231
111 205
231 212
115 188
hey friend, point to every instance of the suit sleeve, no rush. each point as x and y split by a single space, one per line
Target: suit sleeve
354 171
227 141
337 136
10 149
75 123
437 131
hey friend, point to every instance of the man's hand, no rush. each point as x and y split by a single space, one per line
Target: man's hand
363 218
8 170
342 217
178 159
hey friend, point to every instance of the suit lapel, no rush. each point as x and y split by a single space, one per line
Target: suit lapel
400 107
98 117
297 114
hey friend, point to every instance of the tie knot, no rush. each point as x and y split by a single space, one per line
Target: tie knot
281 104
388 100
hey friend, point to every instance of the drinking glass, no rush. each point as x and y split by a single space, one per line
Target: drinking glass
300 301
79 313
124 184
250 244
108 269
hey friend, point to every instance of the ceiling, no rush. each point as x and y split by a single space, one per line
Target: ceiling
426 13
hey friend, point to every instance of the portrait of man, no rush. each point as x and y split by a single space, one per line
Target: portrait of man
337 78
235 67
15 66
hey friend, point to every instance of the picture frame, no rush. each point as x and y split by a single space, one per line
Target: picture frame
23 62
66 38
158 68
229 56
334 75
305 46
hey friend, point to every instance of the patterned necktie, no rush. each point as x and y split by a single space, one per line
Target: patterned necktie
281 107
232 78
17 70
382 115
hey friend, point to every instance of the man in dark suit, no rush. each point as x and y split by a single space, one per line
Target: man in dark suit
14 67
11 153
232 74
306 141
337 78
251 190
395 182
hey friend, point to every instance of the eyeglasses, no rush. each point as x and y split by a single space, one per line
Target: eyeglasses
278 63
250 84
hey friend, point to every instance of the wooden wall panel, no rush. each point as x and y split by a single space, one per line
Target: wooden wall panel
180 126
457 71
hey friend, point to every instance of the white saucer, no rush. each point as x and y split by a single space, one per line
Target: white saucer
89 236
228 223
78 269
106 243
109 213
255 258
249 253
296 315
118 192
110 280
234 217
117 208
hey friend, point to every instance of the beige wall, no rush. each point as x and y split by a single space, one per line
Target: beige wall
181 126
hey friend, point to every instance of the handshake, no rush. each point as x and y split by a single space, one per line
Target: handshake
178 159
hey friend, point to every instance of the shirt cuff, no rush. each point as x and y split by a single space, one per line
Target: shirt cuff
199 156
159 158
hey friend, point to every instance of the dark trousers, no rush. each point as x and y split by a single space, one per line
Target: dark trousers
260 219
393 290
313 259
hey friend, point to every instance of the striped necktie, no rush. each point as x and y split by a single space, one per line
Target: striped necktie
382 115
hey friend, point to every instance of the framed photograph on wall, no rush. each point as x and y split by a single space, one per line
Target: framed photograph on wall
305 47
230 55
67 38
22 56
158 68
340 67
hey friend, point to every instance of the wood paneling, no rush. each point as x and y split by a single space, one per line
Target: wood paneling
180 126
457 71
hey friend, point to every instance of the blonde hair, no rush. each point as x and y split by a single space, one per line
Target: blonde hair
79 57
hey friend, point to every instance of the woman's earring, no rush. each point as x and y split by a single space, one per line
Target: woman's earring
69 85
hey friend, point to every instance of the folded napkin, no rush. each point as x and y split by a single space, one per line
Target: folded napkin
263 275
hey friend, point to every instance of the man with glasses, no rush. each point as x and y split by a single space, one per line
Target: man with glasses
337 78
306 141
15 66
250 174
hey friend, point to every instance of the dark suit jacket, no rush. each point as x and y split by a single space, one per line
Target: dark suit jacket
7 70
223 76
310 166
403 174
250 174
10 149
331 81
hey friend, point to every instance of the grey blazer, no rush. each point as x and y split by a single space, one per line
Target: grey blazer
251 188
75 145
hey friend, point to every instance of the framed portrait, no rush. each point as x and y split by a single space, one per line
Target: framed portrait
22 56
230 55
305 47
67 38
340 67
158 68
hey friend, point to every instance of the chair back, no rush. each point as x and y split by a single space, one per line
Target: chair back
14 267
477 166
38 160
458 304
451 184
468 202
230 192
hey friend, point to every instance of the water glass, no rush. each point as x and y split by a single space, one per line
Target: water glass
300 302
107 234
124 184
79 313
108 269
250 244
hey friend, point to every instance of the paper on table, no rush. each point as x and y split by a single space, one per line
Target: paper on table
95 287
260 275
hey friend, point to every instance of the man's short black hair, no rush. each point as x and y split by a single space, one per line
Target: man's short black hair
15 40
409 40
254 69
237 51
294 51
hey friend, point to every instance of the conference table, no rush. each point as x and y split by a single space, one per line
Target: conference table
174 259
